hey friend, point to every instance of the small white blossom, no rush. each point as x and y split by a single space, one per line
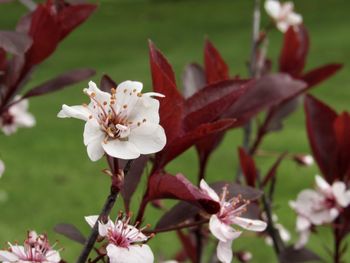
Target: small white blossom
17 116
125 242
124 124
229 214
2 168
283 14
319 207
283 232
36 248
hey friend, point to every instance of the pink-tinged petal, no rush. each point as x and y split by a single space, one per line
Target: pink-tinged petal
134 254
2 168
103 229
302 224
17 250
78 112
222 231
273 8
224 251
303 239
322 184
341 195
284 233
294 19
249 224
53 256
208 190
148 138
91 220
6 256
121 149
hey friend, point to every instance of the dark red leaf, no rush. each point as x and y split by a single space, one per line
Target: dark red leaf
133 177
171 107
272 172
193 79
320 74
291 255
107 83
2 60
164 185
60 82
188 245
72 16
70 231
215 67
15 42
319 124
45 32
248 167
294 52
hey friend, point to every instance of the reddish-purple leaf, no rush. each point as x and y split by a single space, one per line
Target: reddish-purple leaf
70 231
193 79
60 82
294 52
248 167
15 42
107 83
292 255
272 172
2 59
72 16
215 67
320 74
319 123
188 245
45 32
164 185
171 107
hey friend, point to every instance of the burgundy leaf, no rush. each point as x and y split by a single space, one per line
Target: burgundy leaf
248 167
291 255
15 42
294 52
181 144
72 16
133 177
234 190
107 83
272 172
320 74
171 107
188 245
319 123
263 93
45 32
164 185
60 82
71 232
193 79
215 67
2 60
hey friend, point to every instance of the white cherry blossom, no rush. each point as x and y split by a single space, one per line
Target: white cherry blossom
17 116
123 123
318 207
36 248
283 14
126 243
229 214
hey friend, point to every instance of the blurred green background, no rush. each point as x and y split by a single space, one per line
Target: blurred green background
49 178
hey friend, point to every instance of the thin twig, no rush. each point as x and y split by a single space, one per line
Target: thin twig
107 207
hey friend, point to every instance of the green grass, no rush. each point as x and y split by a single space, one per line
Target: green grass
49 178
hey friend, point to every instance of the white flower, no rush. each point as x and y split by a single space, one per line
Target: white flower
319 207
124 124
283 14
229 214
304 160
125 242
2 168
17 116
36 248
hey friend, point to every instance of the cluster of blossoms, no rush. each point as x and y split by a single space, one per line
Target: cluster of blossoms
36 248
318 207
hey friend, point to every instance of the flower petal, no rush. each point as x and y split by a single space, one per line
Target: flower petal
208 190
2 168
121 149
134 254
53 256
222 231
78 112
302 223
148 138
250 224
224 251
294 19
322 184
273 8
91 220
341 195
92 132
98 94
7 256
303 239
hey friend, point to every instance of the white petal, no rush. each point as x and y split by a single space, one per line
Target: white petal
121 149
91 220
145 108
2 168
284 233
224 251
302 223
100 95
222 231
103 229
283 26
92 131
249 224
25 120
341 195
148 138
78 112
294 19
273 8
322 184
132 254
303 239
53 256
208 190
95 150
7 256
129 85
